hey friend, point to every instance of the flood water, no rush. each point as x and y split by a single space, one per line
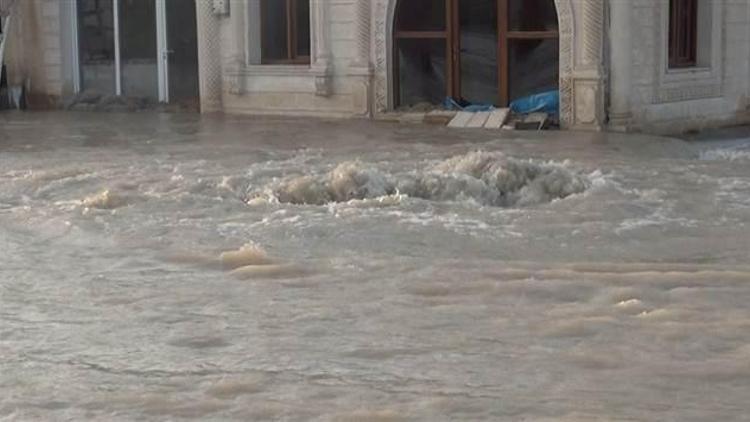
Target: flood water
172 267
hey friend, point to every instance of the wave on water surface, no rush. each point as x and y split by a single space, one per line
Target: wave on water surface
488 178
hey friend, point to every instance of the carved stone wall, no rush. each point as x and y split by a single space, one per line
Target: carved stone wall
209 57
360 69
582 82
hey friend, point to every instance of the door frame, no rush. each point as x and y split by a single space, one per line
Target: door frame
162 51
452 36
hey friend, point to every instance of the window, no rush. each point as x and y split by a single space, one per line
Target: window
683 33
285 31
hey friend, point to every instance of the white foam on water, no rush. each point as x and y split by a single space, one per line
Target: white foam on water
487 178
104 200
725 154
249 254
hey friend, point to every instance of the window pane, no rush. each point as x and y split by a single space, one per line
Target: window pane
683 29
479 51
303 28
532 15
182 39
274 35
421 65
534 67
96 35
420 15
138 49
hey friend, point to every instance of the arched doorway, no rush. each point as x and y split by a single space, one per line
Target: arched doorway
474 51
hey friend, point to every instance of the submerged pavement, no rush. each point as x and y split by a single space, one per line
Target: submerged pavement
175 266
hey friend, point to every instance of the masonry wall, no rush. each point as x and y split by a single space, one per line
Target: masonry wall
34 52
323 88
668 101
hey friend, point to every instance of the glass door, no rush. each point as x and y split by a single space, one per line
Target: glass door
181 53
477 44
96 46
474 51
422 52
138 49
529 43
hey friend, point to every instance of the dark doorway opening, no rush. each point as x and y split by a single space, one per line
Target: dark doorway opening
476 51
182 44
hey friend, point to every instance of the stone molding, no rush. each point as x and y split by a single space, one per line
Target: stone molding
692 83
238 66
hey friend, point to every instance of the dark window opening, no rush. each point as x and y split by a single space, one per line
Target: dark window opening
474 51
285 31
683 33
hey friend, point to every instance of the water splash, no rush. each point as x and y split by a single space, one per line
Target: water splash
249 254
105 200
487 178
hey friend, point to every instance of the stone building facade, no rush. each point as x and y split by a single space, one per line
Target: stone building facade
614 61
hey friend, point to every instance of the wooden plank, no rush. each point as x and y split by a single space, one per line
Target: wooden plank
497 118
461 119
503 51
478 119
420 34
532 35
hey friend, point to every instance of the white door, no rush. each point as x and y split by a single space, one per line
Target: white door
122 48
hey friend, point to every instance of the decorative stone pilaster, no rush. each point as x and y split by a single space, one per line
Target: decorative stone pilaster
360 69
566 31
588 75
209 57
383 40
621 56
321 59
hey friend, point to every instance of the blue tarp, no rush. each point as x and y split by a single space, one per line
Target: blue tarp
451 104
546 102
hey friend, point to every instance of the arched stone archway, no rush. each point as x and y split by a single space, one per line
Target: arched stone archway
581 26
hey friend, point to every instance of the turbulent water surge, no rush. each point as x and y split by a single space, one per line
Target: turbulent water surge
170 267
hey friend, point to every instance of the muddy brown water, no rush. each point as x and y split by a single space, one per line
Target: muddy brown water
177 267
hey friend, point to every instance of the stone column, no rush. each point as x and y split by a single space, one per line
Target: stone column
209 57
360 68
621 58
321 60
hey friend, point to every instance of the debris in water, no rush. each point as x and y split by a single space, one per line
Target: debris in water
105 200
248 255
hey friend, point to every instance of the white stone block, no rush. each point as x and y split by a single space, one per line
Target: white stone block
497 118
461 119
478 119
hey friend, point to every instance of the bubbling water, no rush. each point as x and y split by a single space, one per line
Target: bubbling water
105 200
488 178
